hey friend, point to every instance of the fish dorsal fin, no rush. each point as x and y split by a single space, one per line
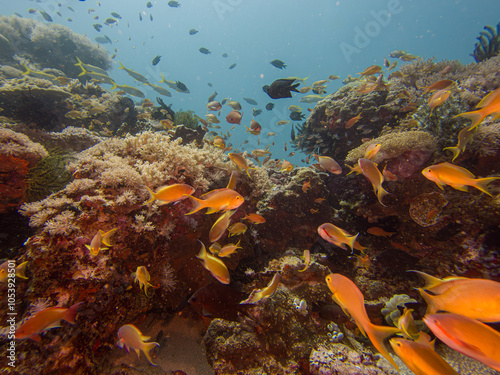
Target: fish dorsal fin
212 193
425 339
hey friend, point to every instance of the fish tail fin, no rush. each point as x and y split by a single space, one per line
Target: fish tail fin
153 195
381 193
430 281
70 314
21 270
79 62
147 347
429 299
28 70
352 241
121 65
377 335
162 78
248 173
475 116
482 183
106 236
84 71
115 86
455 150
353 169
198 204
203 251
303 80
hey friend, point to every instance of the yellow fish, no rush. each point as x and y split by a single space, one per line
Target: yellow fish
170 193
307 260
20 271
475 298
467 336
419 356
142 277
240 162
350 298
214 265
457 177
130 337
229 249
220 226
217 200
371 172
259 294
464 138
237 229
339 237
100 238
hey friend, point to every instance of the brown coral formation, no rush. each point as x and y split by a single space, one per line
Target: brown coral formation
17 155
47 46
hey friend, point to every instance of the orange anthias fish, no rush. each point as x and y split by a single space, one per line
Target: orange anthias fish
326 163
349 124
339 237
4 271
237 229
465 136
371 172
45 320
475 298
142 277
131 338
170 193
258 294
240 162
490 105
100 238
439 85
379 232
255 218
467 336
373 69
438 98
214 265
220 226
350 298
419 356
457 177
217 200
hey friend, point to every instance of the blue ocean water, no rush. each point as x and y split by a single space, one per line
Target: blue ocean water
314 38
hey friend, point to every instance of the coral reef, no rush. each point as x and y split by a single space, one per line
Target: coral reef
107 193
24 40
18 154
